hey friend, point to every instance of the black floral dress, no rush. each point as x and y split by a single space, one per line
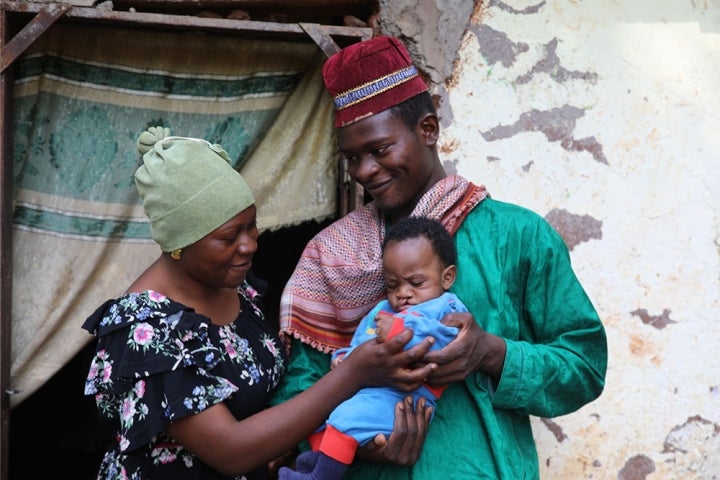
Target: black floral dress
158 361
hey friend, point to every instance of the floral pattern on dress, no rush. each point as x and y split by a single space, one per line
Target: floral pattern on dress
157 361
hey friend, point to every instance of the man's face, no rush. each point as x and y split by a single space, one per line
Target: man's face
396 165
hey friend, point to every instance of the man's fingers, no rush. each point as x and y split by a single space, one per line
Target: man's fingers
378 442
418 351
457 319
404 444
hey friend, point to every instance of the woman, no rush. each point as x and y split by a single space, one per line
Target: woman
185 361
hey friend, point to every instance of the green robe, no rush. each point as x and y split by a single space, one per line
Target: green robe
515 276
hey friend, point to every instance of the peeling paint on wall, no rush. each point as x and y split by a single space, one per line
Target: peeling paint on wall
550 64
636 468
496 47
557 125
682 446
574 229
555 429
658 321
518 11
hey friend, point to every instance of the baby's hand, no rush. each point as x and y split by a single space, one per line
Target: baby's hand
339 358
383 323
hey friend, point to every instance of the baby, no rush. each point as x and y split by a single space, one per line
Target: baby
419 268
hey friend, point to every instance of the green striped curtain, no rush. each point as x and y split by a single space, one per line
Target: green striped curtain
82 95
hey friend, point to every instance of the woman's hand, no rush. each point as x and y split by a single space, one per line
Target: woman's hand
473 349
382 364
407 438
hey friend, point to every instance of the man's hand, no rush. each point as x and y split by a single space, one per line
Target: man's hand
407 438
286 460
473 349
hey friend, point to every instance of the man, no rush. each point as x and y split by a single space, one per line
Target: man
532 343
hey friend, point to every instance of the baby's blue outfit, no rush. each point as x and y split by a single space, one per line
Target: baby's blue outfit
372 410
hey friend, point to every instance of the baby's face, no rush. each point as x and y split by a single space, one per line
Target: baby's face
413 273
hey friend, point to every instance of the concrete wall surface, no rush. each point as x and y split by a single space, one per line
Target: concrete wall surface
604 117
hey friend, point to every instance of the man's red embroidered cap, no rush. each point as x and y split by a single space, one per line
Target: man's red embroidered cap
368 77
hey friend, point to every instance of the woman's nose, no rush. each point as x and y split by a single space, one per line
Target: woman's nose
247 245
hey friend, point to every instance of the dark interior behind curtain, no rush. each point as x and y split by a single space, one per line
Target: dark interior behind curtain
82 96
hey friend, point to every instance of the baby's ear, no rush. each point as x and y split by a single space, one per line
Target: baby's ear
448 276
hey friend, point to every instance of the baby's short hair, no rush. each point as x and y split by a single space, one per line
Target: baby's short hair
413 227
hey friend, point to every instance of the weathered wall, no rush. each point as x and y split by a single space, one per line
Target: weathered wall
604 117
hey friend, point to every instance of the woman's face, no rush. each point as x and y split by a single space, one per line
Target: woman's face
396 165
223 257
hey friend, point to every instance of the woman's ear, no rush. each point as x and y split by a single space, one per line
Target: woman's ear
448 276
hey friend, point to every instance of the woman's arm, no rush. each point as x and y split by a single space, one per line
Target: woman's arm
233 447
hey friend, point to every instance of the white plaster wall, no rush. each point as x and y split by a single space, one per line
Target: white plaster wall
651 100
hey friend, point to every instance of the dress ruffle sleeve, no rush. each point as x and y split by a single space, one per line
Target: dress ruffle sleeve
153 365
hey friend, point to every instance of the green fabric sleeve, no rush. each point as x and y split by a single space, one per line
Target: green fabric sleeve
556 345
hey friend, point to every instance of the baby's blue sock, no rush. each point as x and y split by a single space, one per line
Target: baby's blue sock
326 468
305 462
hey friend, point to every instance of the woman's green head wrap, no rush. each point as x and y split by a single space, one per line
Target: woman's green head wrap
188 187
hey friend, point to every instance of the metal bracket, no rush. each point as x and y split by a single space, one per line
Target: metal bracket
321 37
30 32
